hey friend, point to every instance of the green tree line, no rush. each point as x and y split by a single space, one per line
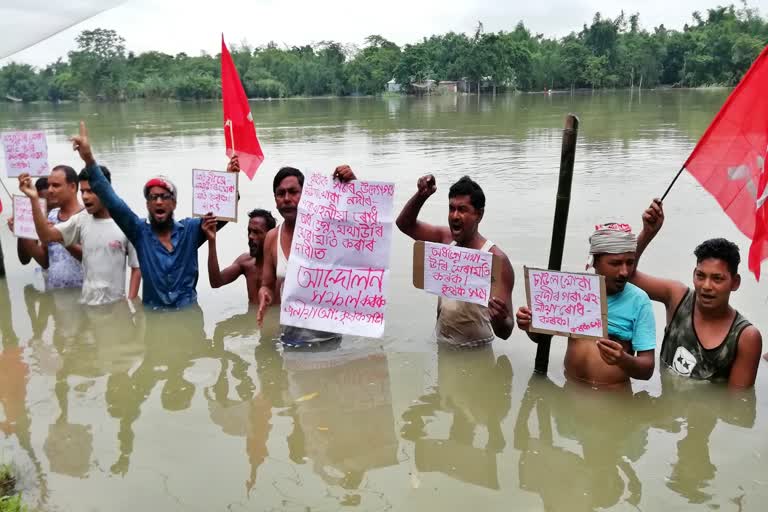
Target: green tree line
716 48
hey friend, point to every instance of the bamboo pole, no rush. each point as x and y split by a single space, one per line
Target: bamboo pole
562 205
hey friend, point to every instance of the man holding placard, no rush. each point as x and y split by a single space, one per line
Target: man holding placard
105 247
287 186
706 338
166 248
461 323
629 350
63 264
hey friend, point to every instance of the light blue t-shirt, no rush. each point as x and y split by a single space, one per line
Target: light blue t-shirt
630 318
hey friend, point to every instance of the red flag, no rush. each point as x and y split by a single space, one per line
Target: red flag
729 160
239 131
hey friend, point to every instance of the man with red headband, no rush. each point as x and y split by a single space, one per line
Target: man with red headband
166 248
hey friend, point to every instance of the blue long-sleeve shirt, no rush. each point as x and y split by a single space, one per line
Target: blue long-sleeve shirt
170 277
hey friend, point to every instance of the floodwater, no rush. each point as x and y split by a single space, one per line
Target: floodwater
124 409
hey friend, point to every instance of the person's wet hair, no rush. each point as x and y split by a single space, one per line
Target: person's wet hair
466 186
719 249
69 173
85 175
285 172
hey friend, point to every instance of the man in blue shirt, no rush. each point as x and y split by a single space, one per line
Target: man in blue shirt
166 248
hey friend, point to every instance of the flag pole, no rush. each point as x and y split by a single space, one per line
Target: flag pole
673 182
232 136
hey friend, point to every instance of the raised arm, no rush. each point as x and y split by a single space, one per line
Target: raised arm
501 307
45 231
128 221
216 277
747 361
408 221
667 291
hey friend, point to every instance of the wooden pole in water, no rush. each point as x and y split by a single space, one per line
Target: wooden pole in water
562 205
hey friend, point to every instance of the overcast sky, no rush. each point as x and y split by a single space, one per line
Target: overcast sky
190 26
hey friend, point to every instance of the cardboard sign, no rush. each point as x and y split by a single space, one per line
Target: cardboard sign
456 272
23 223
338 268
566 303
25 152
215 192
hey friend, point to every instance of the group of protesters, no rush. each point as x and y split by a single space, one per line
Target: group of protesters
92 245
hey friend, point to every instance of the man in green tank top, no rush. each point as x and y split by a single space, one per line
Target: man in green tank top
705 337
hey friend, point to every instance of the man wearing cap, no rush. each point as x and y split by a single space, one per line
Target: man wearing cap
629 351
166 248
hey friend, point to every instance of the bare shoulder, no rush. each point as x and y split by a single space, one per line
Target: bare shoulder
496 251
244 259
751 336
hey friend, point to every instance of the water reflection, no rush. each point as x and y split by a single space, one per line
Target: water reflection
249 413
342 412
15 417
89 343
697 407
598 472
474 388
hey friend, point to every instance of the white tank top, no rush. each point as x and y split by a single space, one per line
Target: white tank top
282 261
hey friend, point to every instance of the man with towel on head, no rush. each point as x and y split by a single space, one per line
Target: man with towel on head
629 353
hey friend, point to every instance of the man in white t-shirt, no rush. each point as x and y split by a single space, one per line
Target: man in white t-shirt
105 247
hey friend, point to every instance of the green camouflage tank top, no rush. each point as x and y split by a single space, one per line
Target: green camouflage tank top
684 354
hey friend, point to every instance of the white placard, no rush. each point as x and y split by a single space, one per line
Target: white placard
338 268
25 152
215 192
566 303
23 223
458 273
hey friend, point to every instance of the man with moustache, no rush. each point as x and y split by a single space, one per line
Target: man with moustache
166 248
462 324
248 264
62 264
105 247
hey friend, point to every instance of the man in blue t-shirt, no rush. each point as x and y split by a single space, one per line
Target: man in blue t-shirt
630 350
166 248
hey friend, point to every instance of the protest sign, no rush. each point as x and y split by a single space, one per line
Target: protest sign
25 152
456 272
566 303
215 192
23 223
338 268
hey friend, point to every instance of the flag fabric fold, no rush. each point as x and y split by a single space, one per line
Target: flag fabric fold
729 159
239 130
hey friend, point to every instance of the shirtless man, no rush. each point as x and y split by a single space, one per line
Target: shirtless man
705 338
248 264
629 353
